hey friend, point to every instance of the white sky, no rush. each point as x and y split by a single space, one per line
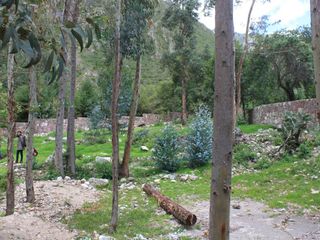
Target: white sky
291 13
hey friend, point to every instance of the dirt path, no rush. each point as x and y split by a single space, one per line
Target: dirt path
41 220
255 221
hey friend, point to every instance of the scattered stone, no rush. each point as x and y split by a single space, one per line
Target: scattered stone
144 148
67 178
98 181
51 138
103 237
59 178
236 206
157 181
139 237
83 180
187 177
103 159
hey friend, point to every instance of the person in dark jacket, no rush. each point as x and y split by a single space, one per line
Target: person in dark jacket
20 146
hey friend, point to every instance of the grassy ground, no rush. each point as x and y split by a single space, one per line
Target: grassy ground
292 181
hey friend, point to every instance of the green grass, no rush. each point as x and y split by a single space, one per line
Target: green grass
253 128
137 215
289 181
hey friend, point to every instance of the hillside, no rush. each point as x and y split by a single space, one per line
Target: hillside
154 76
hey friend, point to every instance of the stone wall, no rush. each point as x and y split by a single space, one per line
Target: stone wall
44 126
273 113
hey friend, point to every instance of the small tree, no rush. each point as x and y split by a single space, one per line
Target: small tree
166 149
199 141
292 128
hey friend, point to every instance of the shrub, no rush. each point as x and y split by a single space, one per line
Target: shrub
166 150
96 136
199 139
140 136
103 170
292 128
243 154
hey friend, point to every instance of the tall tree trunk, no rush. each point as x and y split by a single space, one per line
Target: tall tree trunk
11 133
184 114
241 62
124 169
69 8
114 119
30 132
315 25
59 124
71 113
219 225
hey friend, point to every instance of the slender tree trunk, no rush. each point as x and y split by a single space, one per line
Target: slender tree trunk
11 134
241 62
69 8
124 169
71 113
30 132
219 225
184 114
114 119
59 124
315 25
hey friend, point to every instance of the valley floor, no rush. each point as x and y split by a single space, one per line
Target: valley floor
57 200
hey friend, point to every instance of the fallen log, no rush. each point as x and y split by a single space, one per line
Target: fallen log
179 212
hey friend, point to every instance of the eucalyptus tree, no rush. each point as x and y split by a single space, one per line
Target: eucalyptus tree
315 25
114 120
180 17
219 224
137 17
71 155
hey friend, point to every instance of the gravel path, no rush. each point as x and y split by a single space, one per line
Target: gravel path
255 221
41 220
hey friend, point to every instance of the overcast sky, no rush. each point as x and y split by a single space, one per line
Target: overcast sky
291 13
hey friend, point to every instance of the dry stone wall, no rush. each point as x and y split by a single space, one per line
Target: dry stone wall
273 113
44 126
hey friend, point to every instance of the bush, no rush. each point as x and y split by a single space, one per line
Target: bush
166 150
104 170
96 136
243 155
199 139
292 128
140 136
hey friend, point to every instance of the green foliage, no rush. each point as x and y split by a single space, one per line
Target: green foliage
292 128
103 170
97 118
140 136
96 136
166 150
304 150
242 154
199 139
86 98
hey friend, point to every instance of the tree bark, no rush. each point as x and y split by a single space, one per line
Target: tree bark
59 124
184 114
11 134
183 215
114 120
124 168
69 8
315 26
241 62
71 112
30 133
219 224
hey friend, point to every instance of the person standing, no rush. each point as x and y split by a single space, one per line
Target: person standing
20 146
